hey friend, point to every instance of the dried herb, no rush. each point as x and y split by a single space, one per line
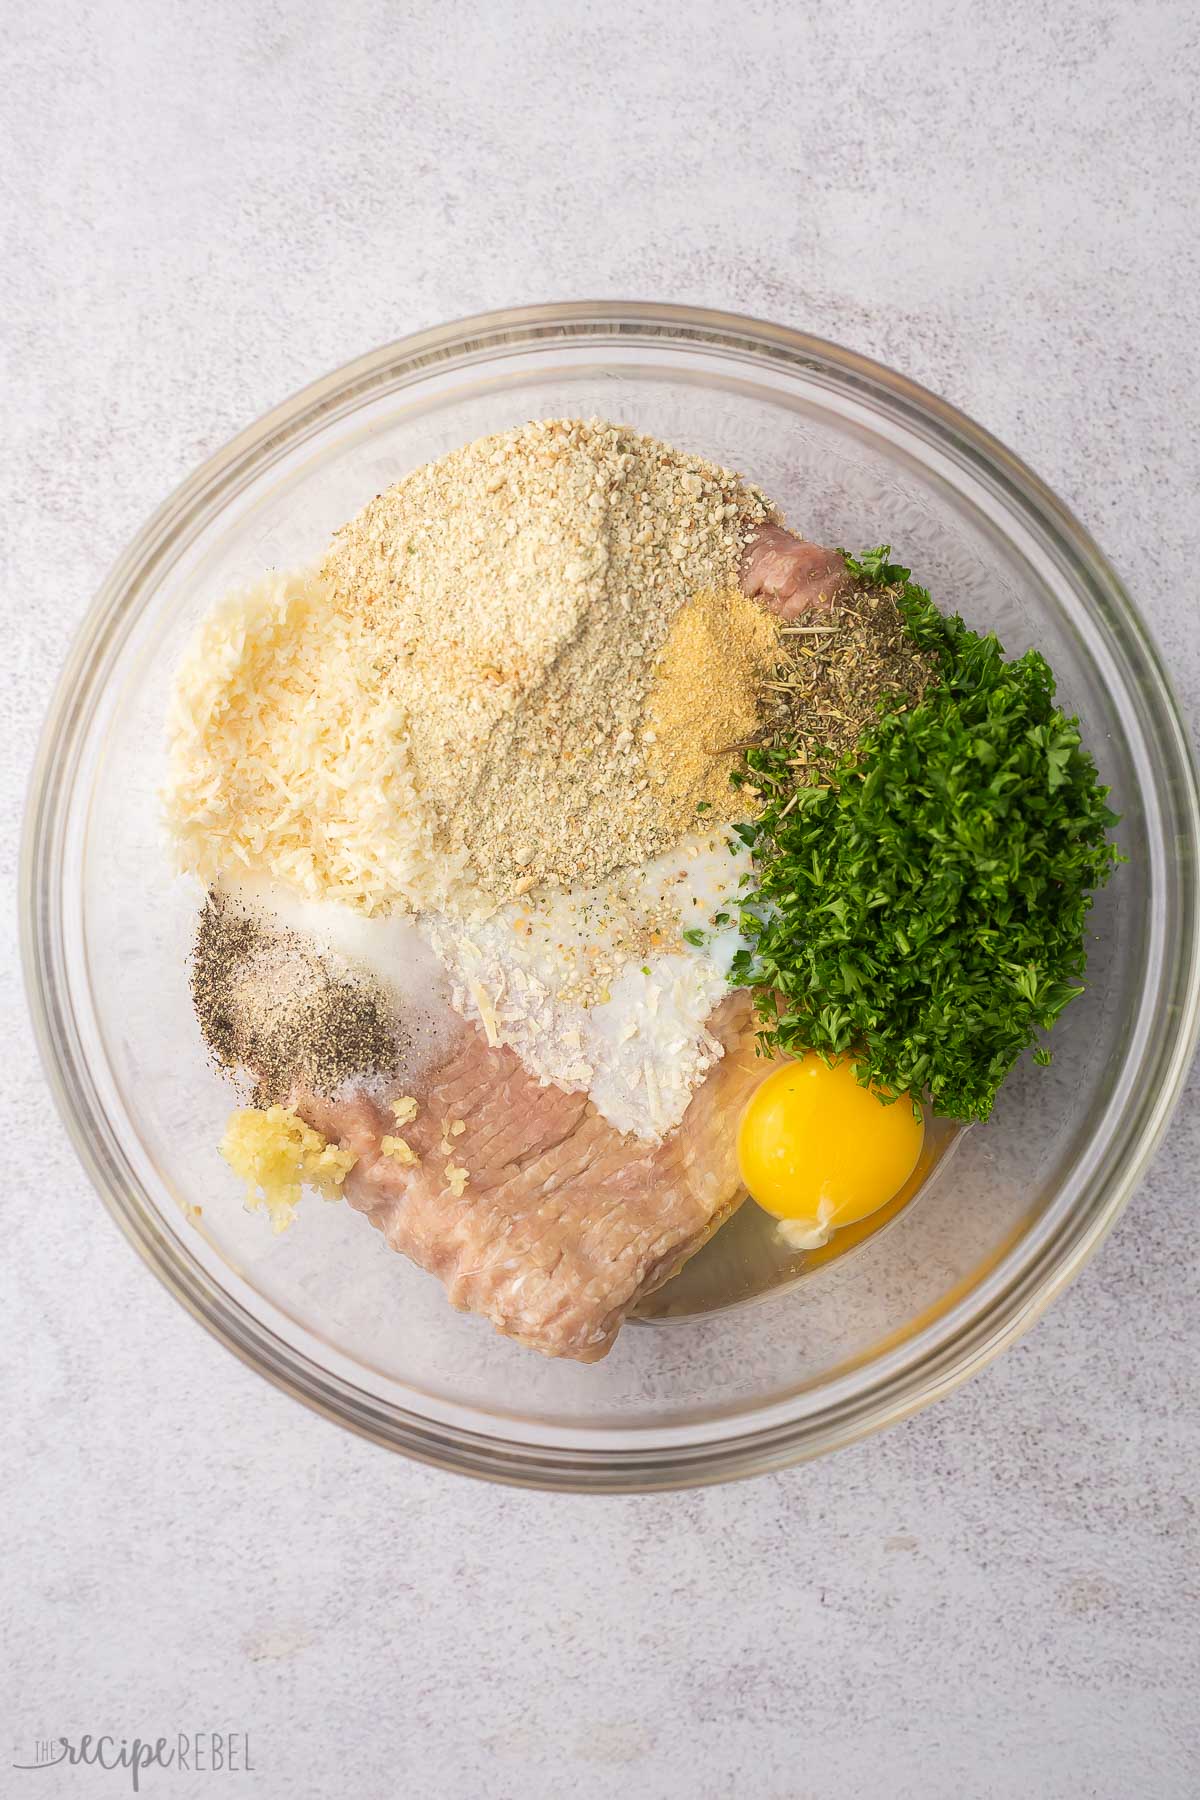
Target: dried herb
836 673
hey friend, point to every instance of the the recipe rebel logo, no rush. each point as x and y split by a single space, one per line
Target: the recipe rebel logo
186 1752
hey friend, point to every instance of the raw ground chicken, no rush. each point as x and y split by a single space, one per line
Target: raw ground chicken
561 1224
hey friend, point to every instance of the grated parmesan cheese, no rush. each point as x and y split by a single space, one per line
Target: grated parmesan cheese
287 761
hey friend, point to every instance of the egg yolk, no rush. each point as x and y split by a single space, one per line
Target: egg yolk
819 1151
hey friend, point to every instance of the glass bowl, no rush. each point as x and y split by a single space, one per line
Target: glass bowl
815 1354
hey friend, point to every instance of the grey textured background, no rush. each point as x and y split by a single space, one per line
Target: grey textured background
207 206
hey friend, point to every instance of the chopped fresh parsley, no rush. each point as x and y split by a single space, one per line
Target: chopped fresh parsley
696 937
922 904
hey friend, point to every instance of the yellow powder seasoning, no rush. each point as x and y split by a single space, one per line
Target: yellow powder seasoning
709 685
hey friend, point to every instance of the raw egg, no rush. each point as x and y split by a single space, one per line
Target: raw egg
819 1151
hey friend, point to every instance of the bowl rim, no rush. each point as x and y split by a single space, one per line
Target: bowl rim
913 1380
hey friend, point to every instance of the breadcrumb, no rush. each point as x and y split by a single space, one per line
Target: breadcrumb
516 594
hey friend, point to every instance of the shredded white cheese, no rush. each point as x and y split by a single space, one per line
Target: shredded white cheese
286 762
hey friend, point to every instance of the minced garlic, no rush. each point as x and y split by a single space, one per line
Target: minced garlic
405 1109
276 1154
451 1128
399 1151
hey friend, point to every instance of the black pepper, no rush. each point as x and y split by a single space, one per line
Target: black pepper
271 1004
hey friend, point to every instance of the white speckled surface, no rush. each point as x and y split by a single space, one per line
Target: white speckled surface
208 207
